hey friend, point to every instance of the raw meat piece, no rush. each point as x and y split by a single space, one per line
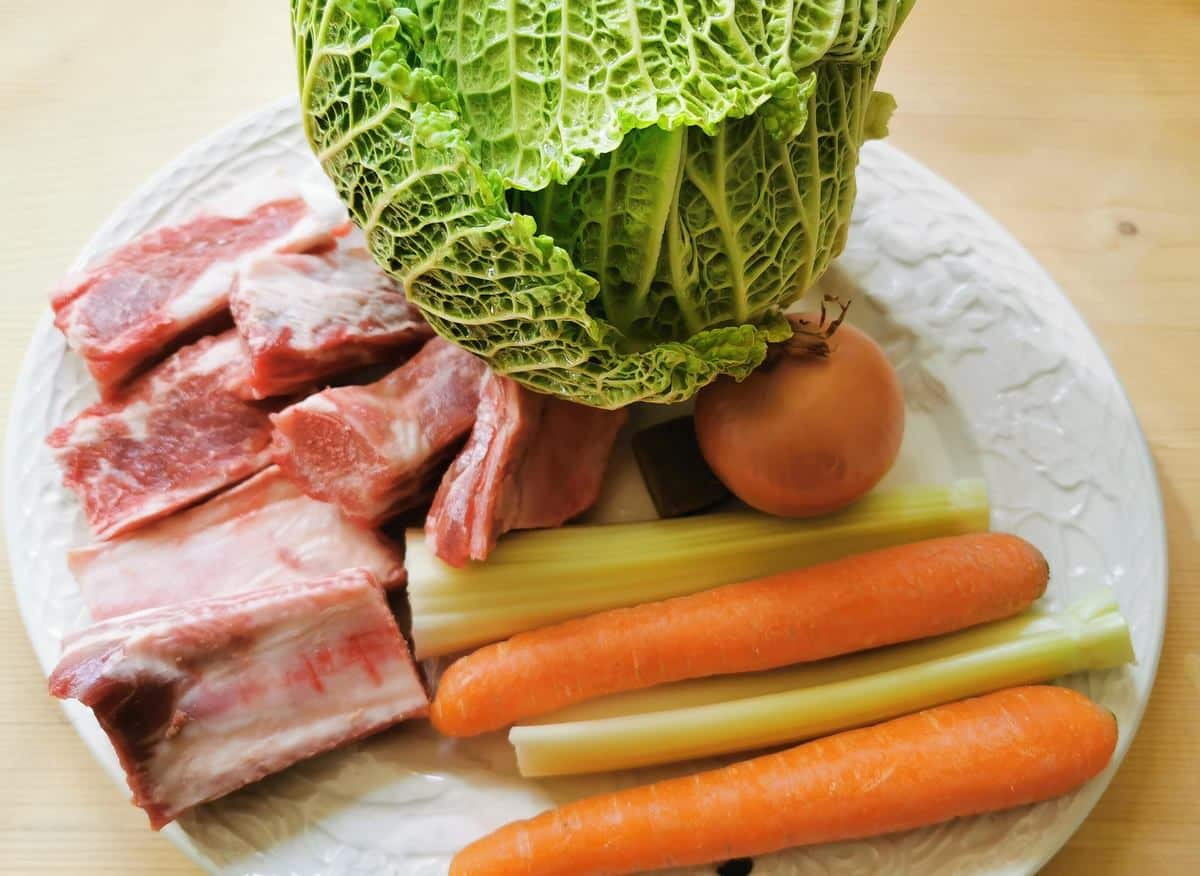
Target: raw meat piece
168 284
304 317
371 450
201 698
177 434
532 461
260 534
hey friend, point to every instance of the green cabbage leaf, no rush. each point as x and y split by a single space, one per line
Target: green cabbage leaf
608 200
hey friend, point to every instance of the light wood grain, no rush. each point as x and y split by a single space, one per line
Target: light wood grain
1076 124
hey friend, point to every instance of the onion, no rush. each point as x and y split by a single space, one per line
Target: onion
813 429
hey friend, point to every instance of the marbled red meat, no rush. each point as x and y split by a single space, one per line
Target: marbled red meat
532 461
134 305
260 534
174 436
371 450
305 317
201 698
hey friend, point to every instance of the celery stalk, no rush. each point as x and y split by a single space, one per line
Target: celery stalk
536 578
722 715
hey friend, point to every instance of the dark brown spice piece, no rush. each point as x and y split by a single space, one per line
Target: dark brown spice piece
679 480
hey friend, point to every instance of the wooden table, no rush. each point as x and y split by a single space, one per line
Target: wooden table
1076 124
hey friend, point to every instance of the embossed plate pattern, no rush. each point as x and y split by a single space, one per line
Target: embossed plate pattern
1002 377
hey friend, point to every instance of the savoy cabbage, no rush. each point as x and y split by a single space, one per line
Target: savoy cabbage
609 200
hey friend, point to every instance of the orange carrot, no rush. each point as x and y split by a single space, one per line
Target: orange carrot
1006 749
879 598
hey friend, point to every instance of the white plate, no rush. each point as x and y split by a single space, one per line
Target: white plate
1002 377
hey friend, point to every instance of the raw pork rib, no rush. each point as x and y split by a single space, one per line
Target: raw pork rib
305 317
177 434
370 450
202 698
257 535
167 284
532 461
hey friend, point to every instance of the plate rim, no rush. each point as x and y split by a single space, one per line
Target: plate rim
22 387
993 225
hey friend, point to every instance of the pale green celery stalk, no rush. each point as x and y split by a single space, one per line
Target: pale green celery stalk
536 578
718 716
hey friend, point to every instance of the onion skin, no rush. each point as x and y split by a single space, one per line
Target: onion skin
805 434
